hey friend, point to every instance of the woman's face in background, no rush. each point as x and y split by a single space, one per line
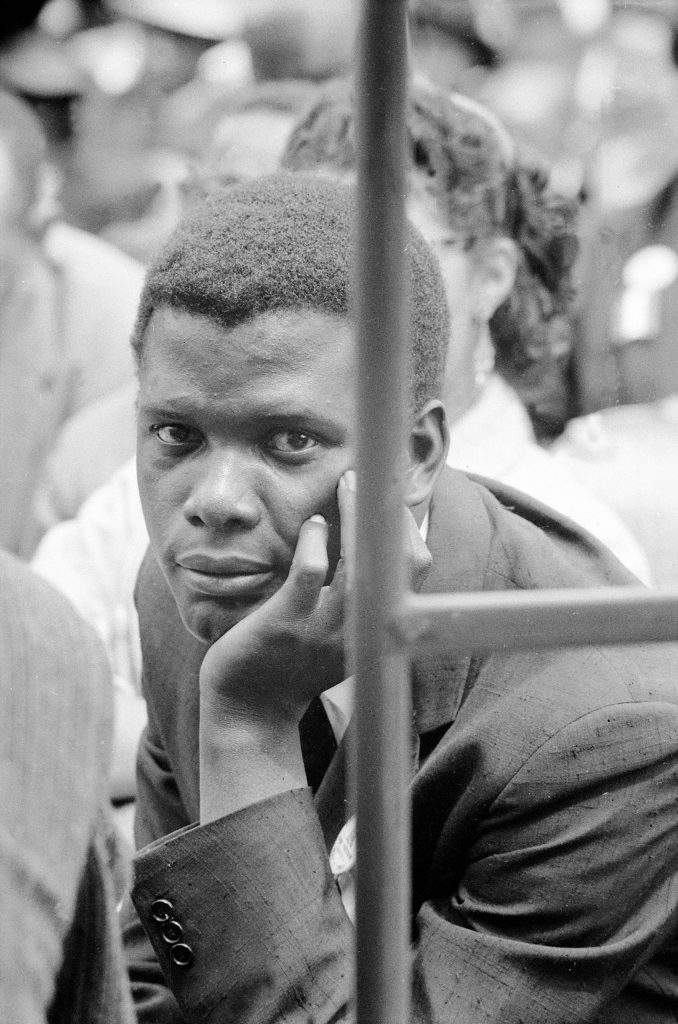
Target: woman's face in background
462 274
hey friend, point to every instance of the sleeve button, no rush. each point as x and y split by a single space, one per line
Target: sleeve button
181 955
172 931
161 910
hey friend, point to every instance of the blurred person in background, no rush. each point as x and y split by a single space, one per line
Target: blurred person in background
595 89
152 72
231 134
126 163
60 872
592 90
67 306
37 64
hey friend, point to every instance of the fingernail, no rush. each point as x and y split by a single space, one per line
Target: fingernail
349 480
317 519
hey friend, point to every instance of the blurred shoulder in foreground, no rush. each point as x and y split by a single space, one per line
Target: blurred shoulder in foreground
59 947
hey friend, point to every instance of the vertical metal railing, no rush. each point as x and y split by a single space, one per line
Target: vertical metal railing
382 678
387 620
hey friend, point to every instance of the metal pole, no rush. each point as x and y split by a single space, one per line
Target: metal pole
382 750
502 620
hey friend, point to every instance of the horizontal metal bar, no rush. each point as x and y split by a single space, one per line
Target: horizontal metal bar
511 620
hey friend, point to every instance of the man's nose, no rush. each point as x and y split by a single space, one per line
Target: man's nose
224 496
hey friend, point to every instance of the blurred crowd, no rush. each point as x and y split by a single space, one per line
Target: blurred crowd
130 106
561 166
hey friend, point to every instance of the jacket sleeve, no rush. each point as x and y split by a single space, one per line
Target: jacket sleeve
569 887
536 929
159 811
261 932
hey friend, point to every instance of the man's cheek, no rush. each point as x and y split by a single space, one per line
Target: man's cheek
157 524
162 503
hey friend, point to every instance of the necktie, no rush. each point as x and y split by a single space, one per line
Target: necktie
318 743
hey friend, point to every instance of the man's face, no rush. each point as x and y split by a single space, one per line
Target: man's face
242 435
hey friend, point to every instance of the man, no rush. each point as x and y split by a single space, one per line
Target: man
545 782
60 956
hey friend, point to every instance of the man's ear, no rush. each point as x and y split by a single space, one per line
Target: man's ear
496 268
428 443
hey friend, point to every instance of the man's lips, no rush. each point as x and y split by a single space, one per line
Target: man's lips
225 575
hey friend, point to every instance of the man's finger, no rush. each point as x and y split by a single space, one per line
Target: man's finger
309 568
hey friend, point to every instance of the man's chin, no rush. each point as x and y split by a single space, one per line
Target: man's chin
208 620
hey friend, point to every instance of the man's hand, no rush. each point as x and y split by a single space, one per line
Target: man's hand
275 660
257 680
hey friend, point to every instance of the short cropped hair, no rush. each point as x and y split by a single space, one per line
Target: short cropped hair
285 242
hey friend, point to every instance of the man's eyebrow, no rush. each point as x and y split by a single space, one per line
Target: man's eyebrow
283 413
272 413
176 406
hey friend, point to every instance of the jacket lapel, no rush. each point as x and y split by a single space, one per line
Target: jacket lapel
459 541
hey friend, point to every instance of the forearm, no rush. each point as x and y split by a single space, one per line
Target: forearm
244 759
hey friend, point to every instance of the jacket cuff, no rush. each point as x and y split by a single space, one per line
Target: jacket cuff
244 914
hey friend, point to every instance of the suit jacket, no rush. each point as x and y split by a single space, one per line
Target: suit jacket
60 954
544 821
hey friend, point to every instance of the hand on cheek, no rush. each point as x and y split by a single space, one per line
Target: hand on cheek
271 664
258 678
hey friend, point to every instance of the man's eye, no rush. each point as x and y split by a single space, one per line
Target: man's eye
174 434
291 441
